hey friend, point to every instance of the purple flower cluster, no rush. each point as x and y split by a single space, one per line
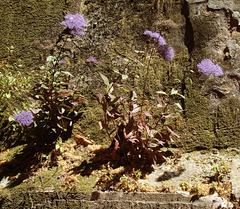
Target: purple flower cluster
207 67
25 118
167 52
93 60
62 62
156 36
76 23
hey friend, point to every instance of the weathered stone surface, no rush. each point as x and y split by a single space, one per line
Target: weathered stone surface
234 53
215 35
235 176
197 29
31 27
215 202
224 4
236 15
106 200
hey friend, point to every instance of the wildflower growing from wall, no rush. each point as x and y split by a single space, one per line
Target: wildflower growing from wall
207 67
76 23
93 60
167 52
25 118
156 36
62 62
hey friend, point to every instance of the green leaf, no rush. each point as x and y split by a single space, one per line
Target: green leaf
43 68
174 91
11 118
50 59
179 106
133 95
190 80
181 96
105 79
116 70
161 92
124 77
67 73
8 95
110 88
127 60
25 106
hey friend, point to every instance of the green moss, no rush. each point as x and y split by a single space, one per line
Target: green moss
30 26
9 154
228 123
88 124
205 129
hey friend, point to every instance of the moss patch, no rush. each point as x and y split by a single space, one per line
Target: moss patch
31 27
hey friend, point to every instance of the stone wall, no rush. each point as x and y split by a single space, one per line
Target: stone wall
197 29
212 107
31 27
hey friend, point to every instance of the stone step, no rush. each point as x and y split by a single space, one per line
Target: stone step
121 204
102 200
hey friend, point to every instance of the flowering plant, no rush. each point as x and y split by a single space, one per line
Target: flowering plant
59 103
138 130
167 52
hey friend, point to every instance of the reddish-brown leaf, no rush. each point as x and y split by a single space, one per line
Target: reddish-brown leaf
80 99
148 114
99 97
81 140
172 132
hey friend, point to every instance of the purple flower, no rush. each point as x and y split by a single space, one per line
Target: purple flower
63 62
167 52
207 67
25 118
93 60
76 23
156 36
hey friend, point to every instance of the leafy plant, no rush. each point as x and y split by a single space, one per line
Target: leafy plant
14 87
13 80
185 186
59 102
59 99
220 171
137 128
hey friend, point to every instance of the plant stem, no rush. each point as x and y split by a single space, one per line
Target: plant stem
145 82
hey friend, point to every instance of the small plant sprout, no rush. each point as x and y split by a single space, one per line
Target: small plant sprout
220 171
185 186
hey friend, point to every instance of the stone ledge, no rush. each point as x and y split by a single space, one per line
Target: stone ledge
97 200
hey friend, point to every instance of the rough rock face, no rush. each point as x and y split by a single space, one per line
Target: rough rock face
197 29
216 36
31 27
